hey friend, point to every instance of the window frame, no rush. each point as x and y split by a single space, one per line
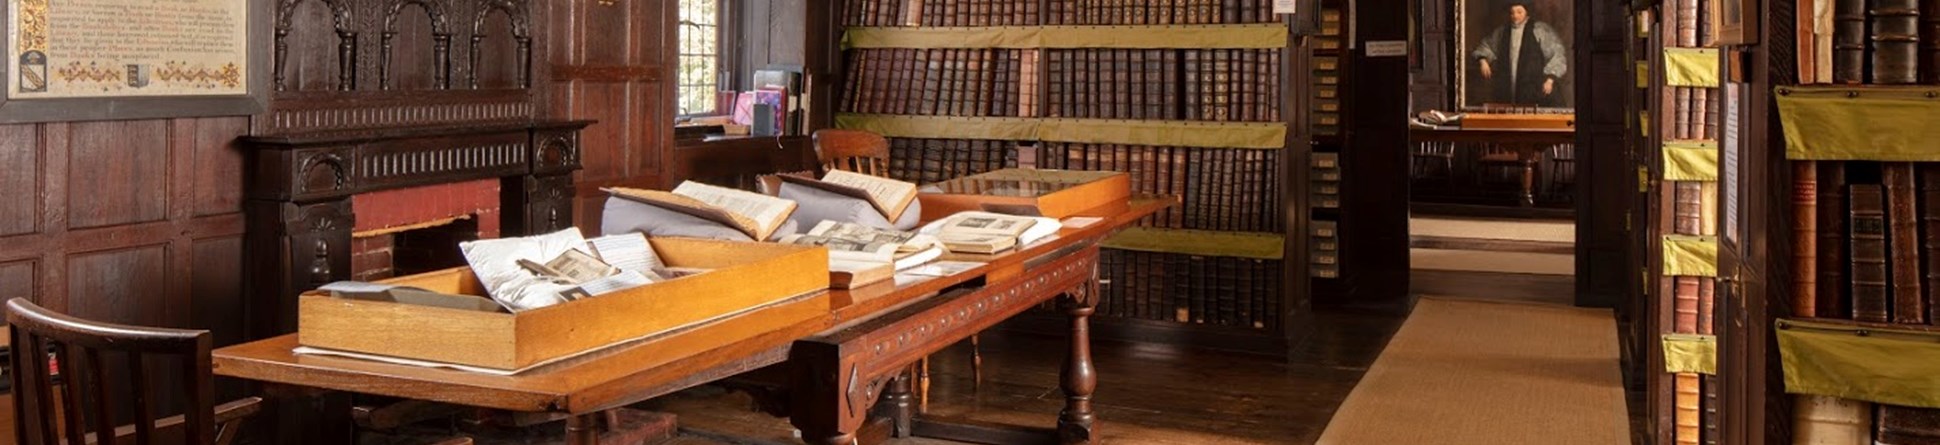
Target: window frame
727 55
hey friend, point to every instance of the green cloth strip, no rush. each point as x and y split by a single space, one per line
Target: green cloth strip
1256 135
1250 36
1263 246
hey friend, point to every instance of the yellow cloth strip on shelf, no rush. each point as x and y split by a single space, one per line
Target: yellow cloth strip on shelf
941 127
1248 36
1263 246
1690 161
1689 353
1690 256
1257 135
1691 67
1870 123
1883 365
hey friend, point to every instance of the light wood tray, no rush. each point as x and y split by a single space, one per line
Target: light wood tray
744 276
1084 190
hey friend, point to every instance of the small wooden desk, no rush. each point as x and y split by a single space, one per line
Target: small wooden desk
1527 144
625 374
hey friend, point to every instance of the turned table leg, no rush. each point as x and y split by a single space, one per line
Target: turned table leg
900 405
1080 378
1529 177
583 429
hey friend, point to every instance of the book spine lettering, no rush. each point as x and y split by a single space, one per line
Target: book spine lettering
1805 238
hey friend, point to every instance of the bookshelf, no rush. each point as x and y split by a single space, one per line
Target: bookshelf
1019 68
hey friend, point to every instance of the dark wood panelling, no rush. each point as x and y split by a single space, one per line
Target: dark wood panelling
498 53
16 279
117 171
609 61
313 61
413 64
215 281
120 286
1607 193
20 175
217 164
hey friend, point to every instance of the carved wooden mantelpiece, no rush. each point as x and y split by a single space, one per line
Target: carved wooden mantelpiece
299 190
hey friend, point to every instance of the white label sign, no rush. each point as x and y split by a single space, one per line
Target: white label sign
1387 48
1285 6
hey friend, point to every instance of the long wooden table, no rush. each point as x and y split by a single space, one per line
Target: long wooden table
1527 145
842 361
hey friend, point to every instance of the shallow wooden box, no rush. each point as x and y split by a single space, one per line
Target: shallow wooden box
1050 193
744 277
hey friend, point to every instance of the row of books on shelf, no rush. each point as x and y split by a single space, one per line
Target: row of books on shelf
1868 241
1228 189
963 13
1869 42
941 82
1231 85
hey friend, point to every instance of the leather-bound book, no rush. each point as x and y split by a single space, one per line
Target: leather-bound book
1896 41
1868 237
1699 115
1687 23
1832 293
1688 402
1930 232
1900 425
1806 45
1684 305
1689 211
1708 208
1930 42
1712 434
1805 238
1903 241
1823 420
1849 41
1707 305
1681 113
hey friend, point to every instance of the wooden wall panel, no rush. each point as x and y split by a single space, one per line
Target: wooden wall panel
20 176
117 172
120 286
17 279
498 53
215 283
312 64
218 165
610 62
412 58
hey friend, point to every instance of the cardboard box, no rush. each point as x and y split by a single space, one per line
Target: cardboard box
1049 193
743 277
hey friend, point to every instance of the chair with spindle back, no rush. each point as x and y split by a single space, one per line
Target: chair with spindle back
77 410
852 151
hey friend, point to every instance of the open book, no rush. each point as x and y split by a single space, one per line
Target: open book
889 196
754 214
856 242
986 233
531 272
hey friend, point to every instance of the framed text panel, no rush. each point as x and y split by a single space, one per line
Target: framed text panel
71 60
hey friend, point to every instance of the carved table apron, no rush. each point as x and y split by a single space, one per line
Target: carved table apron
840 374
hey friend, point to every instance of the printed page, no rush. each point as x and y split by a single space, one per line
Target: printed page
768 211
890 196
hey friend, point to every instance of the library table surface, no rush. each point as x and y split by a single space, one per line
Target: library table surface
585 386
1528 145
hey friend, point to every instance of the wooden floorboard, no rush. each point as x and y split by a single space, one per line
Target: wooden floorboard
1147 393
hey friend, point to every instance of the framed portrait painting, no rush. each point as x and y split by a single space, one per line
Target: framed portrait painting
1514 53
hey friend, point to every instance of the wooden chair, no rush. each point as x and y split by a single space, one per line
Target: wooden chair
70 405
852 151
